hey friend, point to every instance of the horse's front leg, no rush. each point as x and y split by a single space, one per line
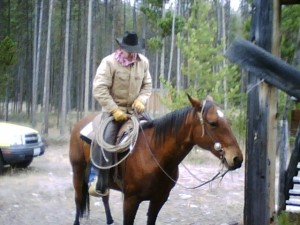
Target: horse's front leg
155 206
130 207
109 219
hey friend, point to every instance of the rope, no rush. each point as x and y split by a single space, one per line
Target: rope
217 176
128 143
123 145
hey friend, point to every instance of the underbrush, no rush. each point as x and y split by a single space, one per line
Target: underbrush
287 218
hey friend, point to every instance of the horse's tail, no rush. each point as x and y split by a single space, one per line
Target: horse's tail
85 203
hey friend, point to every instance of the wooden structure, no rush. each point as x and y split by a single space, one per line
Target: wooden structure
295 120
262 107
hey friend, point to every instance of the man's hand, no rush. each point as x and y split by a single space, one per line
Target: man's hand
119 115
138 106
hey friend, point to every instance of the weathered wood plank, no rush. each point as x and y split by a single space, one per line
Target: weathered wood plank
289 2
294 192
265 65
293 166
294 202
259 174
296 180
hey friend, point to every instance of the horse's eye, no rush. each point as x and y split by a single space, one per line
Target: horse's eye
213 124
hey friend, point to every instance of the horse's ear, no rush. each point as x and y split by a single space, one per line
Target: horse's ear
194 102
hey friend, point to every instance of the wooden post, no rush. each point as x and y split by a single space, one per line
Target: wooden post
283 147
260 151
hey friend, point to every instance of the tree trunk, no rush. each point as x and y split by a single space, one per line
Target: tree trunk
223 39
162 57
36 58
88 59
178 71
172 41
66 71
47 73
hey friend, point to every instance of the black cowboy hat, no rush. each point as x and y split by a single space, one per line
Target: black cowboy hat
129 42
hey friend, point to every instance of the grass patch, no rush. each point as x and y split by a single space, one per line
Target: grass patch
288 218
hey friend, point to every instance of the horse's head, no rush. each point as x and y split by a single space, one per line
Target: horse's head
212 132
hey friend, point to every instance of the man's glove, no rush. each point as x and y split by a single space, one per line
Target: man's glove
119 115
138 106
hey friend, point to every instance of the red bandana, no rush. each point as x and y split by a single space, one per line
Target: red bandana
123 60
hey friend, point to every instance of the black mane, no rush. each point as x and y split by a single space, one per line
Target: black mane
168 124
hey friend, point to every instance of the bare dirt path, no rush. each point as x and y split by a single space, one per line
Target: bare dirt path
43 194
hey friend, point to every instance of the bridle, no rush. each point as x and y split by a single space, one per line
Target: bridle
217 145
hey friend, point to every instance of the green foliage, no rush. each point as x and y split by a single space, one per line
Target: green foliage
204 64
150 14
162 25
247 28
286 218
165 24
176 99
289 29
205 67
154 44
7 53
7 60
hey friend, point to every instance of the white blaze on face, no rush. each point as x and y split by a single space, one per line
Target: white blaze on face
220 113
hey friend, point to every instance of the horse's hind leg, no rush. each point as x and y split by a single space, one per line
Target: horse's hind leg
81 193
109 219
79 163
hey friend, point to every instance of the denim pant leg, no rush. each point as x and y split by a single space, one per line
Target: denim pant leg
93 173
110 136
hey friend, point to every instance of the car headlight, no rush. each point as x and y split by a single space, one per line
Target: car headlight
16 140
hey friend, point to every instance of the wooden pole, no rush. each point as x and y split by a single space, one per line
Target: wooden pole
260 155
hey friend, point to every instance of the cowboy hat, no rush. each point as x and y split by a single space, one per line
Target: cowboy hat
129 42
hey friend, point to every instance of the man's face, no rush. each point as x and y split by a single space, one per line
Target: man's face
129 55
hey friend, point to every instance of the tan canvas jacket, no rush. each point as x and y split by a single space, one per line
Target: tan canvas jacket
117 86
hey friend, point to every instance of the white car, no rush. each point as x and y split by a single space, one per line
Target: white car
19 145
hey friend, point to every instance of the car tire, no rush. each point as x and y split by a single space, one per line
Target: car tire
1 164
23 164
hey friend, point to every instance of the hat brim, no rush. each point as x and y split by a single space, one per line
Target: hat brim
129 48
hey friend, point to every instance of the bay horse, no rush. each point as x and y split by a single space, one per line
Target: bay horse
151 169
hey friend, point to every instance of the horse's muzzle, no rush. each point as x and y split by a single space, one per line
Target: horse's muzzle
237 163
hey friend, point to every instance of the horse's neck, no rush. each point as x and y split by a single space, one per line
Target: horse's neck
175 149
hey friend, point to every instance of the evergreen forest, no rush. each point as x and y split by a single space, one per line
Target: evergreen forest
50 50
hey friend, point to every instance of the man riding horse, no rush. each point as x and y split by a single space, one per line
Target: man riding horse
122 85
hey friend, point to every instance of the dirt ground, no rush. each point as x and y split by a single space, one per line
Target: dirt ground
43 194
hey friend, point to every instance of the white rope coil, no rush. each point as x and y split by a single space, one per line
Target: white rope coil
123 145
127 143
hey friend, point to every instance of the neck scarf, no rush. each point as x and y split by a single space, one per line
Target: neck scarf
119 55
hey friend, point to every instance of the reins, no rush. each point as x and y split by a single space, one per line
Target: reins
130 143
217 176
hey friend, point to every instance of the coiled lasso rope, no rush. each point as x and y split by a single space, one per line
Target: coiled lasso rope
127 143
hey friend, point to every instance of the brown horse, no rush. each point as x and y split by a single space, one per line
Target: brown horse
161 145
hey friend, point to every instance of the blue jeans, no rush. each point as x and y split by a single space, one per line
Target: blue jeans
93 173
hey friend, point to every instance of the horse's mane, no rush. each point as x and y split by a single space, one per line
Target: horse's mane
168 124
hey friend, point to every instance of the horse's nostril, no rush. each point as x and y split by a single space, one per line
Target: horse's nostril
237 162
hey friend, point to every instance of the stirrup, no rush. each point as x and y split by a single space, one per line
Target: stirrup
94 192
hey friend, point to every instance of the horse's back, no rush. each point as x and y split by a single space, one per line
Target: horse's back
79 149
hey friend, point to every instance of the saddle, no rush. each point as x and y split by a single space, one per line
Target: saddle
89 132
